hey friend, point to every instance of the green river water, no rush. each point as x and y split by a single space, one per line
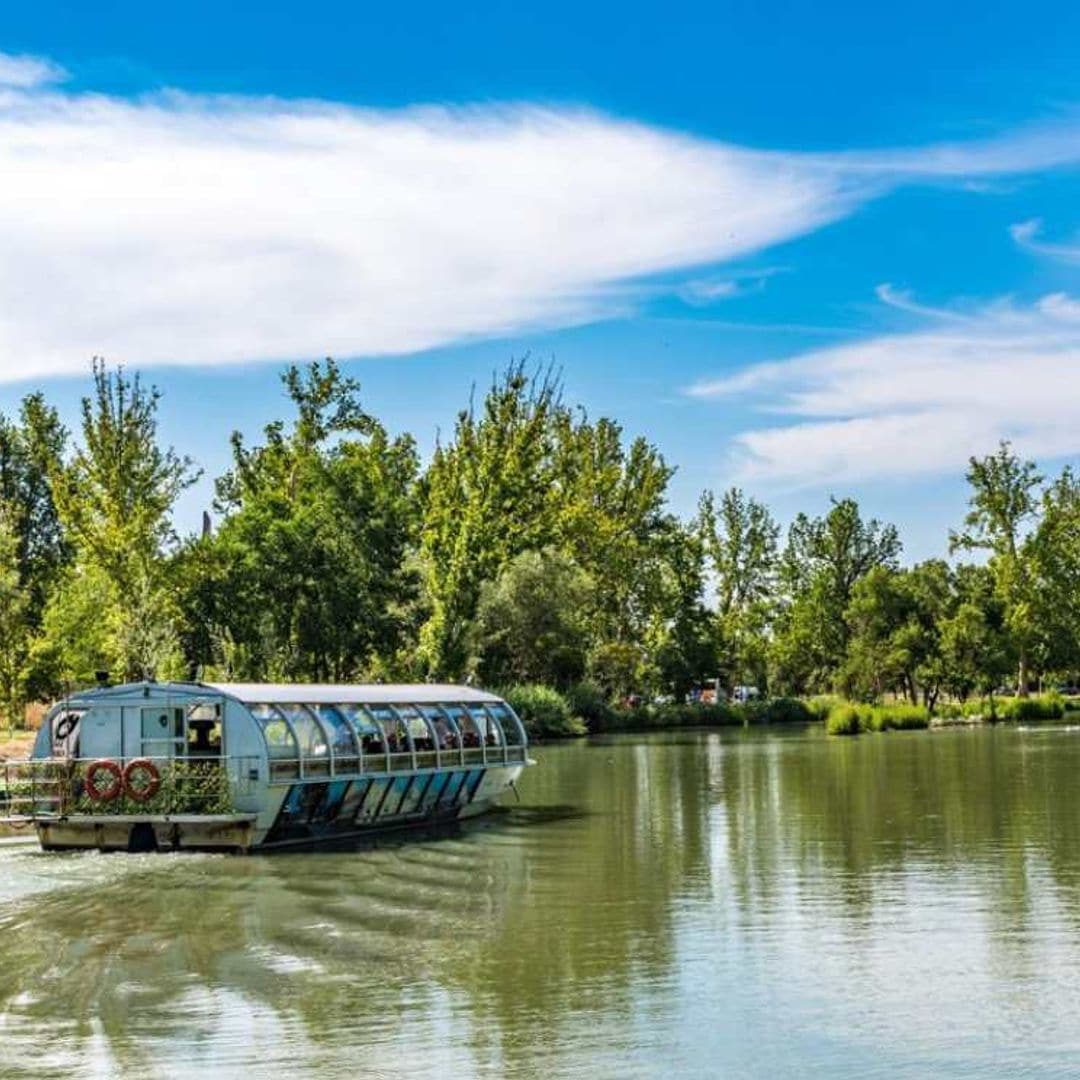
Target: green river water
704 904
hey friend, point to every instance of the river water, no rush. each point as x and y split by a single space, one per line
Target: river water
764 903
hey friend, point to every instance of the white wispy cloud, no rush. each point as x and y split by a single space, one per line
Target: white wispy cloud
701 292
191 229
29 71
902 300
915 403
1026 234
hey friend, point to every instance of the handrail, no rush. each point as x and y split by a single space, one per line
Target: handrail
56 787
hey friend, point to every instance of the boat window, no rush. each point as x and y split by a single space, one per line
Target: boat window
445 730
512 730
313 742
397 735
204 730
371 736
335 722
280 741
471 732
162 732
416 726
489 730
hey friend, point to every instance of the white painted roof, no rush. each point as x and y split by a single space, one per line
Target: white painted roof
367 694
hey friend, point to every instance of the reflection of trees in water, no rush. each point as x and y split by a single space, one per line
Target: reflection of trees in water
513 925
478 950
850 814
594 915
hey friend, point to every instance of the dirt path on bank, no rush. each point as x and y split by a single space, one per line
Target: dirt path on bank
16 744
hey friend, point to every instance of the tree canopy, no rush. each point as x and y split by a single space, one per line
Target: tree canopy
535 545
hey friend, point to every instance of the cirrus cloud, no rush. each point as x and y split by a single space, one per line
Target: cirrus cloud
1026 234
915 403
194 229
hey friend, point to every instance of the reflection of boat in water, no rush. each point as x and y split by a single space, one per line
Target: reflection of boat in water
243 766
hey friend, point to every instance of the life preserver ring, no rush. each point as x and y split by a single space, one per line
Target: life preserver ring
142 780
111 789
66 725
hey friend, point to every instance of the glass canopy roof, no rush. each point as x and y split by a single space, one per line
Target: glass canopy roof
326 737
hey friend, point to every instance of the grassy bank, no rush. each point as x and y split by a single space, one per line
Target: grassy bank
584 710
848 718
549 714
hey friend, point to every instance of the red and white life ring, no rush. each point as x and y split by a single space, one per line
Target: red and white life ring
142 781
113 786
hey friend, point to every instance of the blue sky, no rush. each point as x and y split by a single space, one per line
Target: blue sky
807 248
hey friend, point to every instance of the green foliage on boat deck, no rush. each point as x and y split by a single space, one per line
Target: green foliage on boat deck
187 787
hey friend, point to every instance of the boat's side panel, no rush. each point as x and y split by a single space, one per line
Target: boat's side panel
181 833
310 812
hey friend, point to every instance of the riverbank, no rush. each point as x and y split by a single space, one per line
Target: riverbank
16 744
548 715
595 716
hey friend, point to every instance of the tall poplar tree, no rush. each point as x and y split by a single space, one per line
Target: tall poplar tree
1004 504
115 499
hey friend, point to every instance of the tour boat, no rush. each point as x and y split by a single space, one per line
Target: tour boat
243 767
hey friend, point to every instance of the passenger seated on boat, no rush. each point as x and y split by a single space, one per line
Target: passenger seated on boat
371 745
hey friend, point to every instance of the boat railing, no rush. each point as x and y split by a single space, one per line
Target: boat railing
58 787
288 769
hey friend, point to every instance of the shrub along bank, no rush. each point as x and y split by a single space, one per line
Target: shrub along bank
992 709
584 709
848 718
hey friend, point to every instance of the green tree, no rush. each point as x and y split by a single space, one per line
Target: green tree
30 452
79 632
486 497
740 538
608 511
824 559
115 500
14 621
879 618
894 619
532 622
307 576
681 640
523 473
1004 502
1054 547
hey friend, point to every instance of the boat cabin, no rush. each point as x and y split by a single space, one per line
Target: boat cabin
253 765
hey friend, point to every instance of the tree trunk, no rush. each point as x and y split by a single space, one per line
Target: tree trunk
1022 675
